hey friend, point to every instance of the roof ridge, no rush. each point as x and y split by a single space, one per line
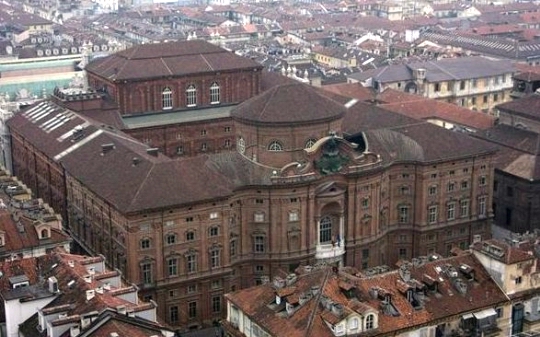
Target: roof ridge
140 188
309 326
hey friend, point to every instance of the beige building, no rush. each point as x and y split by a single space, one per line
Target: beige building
472 82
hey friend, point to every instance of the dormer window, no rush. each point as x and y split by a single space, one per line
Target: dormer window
354 323
44 234
370 322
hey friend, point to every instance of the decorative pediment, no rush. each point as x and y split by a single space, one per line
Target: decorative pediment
329 189
331 156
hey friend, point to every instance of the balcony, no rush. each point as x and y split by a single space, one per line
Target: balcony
329 251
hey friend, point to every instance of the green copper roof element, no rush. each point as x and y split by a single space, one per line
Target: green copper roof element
35 87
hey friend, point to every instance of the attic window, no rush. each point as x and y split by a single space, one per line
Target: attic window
370 322
45 234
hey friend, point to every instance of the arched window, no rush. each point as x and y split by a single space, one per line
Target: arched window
44 233
214 93
191 95
325 230
275 146
166 98
310 142
241 145
370 322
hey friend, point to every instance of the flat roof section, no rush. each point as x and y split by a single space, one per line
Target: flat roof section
176 117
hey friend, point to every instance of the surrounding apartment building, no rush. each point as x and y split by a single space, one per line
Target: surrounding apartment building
305 178
453 296
472 82
491 289
59 294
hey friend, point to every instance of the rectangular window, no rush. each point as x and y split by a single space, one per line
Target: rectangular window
404 190
464 208
215 258
214 215
259 201
172 266
214 231
482 206
365 254
482 181
192 310
437 87
432 214
258 217
403 253
258 244
191 263
365 203
403 214
464 185
474 82
293 216
432 190
192 288
451 186
173 314
216 304
232 248
485 99
179 150
433 175
227 129
216 284
146 269
462 85
495 97
451 211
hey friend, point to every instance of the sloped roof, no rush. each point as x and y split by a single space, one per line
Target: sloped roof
519 150
309 319
148 181
167 59
442 70
288 104
528 106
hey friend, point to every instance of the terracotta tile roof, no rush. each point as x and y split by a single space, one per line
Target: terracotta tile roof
74 281
528 106
461 293
518 150
502 251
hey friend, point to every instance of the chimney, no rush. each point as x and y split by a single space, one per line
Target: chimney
136 161
53 284
90 294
